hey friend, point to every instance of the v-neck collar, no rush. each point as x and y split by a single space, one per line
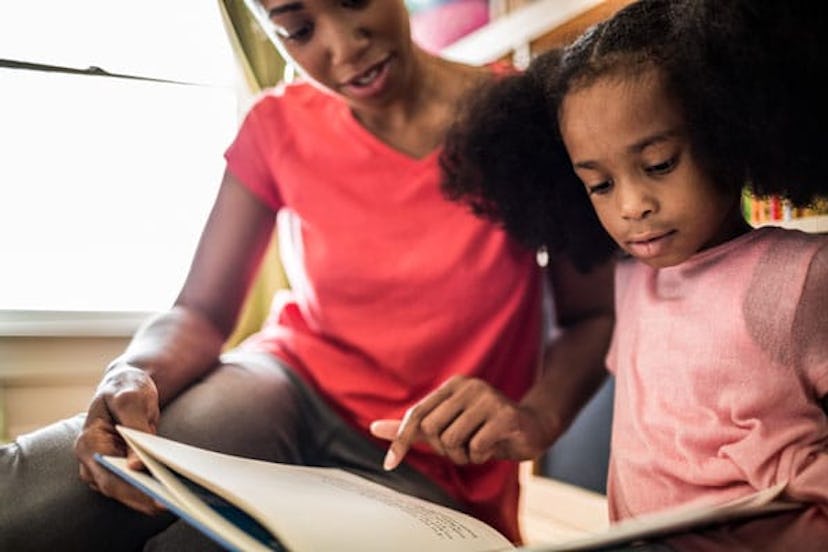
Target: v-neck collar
379 146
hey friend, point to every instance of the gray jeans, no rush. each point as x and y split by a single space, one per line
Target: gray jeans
251 405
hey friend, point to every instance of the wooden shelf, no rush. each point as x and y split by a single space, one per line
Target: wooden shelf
536 27
815 224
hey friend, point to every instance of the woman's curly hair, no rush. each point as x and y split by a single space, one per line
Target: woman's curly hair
743 72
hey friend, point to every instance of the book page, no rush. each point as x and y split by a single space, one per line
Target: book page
311 508
678 519
183 502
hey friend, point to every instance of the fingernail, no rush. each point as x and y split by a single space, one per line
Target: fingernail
390 461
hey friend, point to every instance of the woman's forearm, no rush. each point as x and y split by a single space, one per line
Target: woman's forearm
174 349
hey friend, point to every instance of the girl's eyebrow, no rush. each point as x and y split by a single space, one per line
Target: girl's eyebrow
665 136
637 147
585 165
284 8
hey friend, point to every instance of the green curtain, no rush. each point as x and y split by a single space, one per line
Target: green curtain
3 437
263 67
261 62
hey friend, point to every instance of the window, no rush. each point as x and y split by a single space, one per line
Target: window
108 178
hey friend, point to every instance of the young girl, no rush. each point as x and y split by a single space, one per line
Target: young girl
646 130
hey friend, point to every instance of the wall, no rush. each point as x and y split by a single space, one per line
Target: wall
43 379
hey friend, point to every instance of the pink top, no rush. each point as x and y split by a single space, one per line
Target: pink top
720 363
393 288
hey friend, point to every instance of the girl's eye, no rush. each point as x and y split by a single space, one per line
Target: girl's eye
354 4
599 189
662 168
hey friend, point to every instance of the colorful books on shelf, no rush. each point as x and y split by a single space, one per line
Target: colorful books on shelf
759 211
253 505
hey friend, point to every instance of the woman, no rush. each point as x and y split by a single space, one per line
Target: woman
402 305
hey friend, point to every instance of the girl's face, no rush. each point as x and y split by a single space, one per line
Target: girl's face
358 49
628 145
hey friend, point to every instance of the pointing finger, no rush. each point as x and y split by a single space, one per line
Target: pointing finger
385 429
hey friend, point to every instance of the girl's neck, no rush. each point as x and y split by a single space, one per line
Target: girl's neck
733 226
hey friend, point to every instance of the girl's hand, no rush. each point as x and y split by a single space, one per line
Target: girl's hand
467 420
126 396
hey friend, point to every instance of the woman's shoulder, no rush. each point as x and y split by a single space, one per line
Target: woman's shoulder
295 96
289 112
501 68
462 78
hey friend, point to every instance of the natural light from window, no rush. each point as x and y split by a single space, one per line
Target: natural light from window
106 182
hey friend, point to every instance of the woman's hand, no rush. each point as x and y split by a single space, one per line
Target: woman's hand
126 396
177 347
467 420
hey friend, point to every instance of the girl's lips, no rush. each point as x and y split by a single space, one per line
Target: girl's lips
654 245
369 83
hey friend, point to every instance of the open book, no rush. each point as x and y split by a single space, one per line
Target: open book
252 505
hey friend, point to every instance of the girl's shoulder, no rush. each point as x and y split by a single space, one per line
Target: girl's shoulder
787 303
789 241
764 258
789 271
778 258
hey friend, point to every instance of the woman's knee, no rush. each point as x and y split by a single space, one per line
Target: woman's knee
39 480
238 409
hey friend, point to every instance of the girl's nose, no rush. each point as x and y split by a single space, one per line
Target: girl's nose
635 202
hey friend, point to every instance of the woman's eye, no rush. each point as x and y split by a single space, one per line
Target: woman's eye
300 34
354 4
296 33
662 168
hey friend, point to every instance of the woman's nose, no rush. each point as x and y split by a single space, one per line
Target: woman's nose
346 41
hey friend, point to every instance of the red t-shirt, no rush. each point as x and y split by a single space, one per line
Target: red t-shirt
393 288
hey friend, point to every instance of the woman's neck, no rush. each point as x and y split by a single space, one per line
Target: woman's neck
415 122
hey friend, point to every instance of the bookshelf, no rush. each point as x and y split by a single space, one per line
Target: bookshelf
773 211
530 29
817 224
521 29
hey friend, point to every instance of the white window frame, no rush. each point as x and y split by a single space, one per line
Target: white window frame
143 164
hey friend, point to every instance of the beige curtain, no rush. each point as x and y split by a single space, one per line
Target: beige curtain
262 66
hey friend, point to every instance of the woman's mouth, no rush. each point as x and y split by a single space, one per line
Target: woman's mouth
371 82
367 78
